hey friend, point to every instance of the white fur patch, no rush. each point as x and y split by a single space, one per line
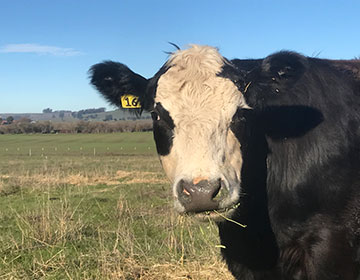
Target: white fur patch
201 105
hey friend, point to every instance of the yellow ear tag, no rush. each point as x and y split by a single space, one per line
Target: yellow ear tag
129 101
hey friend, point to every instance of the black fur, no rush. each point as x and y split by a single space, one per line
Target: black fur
163 126
152 87
301 152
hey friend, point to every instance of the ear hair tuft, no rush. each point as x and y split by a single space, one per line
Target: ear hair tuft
285 64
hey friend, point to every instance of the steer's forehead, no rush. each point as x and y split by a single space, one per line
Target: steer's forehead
192 88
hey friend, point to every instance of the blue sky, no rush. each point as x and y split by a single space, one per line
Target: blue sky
46 47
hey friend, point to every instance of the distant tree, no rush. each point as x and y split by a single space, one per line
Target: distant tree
108 118
46 127
47 110
24 125
81 127
24 120
1 120
10 119
61 115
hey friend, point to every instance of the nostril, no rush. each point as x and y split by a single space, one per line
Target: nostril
186 192
221 191
216 192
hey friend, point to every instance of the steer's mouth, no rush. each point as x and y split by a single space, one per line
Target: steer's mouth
216 215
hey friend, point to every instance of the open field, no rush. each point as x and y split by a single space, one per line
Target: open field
96 206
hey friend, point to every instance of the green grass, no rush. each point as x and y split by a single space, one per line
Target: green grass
76 144
67 213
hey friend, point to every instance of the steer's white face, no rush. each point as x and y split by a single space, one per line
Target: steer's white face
201 105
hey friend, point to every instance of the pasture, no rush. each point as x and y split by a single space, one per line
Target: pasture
96 206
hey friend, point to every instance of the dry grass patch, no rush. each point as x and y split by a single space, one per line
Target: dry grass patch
209 269
141 177
59 177
213 269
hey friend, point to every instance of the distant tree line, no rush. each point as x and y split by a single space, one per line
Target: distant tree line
94 111
25 125
75 114
85 111
93 114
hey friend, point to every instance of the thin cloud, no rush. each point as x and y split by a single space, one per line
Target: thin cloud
39 49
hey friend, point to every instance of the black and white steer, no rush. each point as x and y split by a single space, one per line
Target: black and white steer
272 143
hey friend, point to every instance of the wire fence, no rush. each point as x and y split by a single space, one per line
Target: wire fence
76 151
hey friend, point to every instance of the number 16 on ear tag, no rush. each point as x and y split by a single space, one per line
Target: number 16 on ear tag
129 101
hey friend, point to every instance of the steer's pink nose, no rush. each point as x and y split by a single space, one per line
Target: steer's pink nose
199 196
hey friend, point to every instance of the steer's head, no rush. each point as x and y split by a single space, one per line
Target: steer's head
194 103
192 113
192 108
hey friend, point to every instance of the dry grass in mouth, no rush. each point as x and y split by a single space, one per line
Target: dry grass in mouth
217 216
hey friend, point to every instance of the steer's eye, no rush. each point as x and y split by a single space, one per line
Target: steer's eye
155 116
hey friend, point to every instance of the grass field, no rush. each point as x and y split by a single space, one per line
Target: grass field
96 206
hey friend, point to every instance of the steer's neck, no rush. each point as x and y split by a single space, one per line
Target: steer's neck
255 245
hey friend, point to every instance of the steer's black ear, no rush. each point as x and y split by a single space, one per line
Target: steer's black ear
119 85
281 122
284 67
